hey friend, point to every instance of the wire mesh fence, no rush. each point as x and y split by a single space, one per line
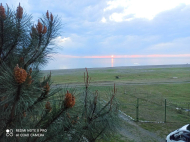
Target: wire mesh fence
149 107
159 111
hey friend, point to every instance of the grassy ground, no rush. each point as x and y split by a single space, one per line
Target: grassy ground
152 85
127 75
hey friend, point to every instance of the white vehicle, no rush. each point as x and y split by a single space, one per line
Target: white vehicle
180 135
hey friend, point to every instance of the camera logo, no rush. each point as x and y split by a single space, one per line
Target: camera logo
9 132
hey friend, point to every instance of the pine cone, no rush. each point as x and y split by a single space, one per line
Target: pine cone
48 106
46 88
21 60
69 100
51 16
39 27
20 74
47 14
29 80
2 11
19 12
44 30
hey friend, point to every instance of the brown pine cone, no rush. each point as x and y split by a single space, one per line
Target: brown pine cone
69 100
20 74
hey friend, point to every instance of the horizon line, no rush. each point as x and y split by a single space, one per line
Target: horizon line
123 56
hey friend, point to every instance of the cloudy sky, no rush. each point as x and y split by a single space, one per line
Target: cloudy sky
117 28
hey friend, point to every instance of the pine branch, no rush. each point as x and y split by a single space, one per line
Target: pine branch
16 41
15 44
49 35
12 115
32 59
94 139
98 114
94 105
51 137
87 82
51 121
57 116
2 37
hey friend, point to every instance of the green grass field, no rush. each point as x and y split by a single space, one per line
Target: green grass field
151 85
125 75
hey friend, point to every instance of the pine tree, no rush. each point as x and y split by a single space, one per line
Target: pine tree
29 101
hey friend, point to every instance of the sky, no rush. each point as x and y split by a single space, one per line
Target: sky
116 28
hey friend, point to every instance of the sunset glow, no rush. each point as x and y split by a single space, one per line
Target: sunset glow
125 56
112 62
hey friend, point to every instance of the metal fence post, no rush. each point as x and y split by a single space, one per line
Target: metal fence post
188 109
137 110
165 112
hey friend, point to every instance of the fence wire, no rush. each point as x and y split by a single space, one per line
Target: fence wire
156 110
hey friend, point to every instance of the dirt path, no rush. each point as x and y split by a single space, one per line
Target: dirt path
133 132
